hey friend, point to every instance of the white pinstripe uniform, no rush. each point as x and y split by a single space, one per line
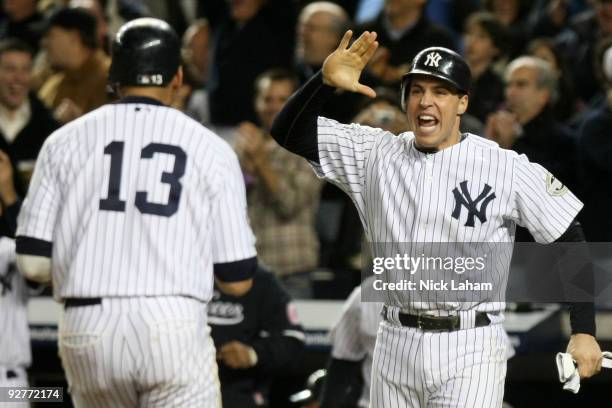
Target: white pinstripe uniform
353 337
15 353
403 196
137 202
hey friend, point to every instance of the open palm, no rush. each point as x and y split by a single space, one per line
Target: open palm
342 68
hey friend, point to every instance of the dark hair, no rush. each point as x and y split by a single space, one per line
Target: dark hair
551 45
274 75
15 45
493 27
76 19
523 8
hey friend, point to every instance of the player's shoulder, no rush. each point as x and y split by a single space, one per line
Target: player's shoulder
66 132
486 145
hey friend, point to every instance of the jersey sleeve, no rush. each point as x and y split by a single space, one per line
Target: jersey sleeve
233 239
40 209
542 203
345 335
343 153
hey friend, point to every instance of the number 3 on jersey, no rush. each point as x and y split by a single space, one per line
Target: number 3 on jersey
114 203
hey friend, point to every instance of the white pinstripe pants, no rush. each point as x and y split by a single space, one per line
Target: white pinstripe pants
139 352
463 368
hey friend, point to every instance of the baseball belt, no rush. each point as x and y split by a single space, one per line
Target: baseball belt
436 323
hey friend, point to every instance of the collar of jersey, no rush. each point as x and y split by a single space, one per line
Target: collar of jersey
140 99
419 154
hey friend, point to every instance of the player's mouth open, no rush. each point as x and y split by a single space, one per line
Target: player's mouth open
427 122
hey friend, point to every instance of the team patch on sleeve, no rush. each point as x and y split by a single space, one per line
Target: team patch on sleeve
554 186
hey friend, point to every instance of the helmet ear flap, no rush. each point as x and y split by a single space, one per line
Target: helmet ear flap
404 89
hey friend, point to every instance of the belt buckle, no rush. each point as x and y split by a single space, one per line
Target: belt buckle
434 323
419 322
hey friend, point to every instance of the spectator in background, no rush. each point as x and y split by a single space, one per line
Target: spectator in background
249 38
196 52
97 9
549 18
485 42
403 30
321 25
513 14
528 126
25 122
282 191
79 85
257 336
22 20
383 112
566 106
578 44
595 156
170 11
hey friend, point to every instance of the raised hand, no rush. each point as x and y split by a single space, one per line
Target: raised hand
343 67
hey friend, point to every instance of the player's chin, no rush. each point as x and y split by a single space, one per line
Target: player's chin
427 138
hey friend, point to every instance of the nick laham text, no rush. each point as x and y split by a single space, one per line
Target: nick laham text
430 284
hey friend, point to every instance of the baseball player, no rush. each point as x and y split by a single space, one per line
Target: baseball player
353 338
129 208
433 184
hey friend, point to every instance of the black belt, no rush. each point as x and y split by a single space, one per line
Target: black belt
77 302
11 374
437 323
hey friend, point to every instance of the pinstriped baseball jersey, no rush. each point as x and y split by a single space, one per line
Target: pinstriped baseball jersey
14 331
473 191
137 199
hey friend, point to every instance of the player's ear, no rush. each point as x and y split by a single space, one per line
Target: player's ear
463 104
177 81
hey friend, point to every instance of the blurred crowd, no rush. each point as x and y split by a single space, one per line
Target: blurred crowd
542 86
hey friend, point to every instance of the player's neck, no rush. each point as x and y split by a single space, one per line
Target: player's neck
164 95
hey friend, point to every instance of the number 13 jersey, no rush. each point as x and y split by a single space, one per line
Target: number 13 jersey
135 199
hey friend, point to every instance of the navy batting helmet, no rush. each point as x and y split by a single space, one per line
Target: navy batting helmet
145 52
440 63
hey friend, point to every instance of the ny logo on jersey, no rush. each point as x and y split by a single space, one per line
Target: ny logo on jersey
433 59
464 199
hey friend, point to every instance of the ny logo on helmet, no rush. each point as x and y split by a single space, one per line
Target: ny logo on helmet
433 59
464 199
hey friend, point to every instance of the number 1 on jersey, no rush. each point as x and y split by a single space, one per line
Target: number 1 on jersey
114 203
